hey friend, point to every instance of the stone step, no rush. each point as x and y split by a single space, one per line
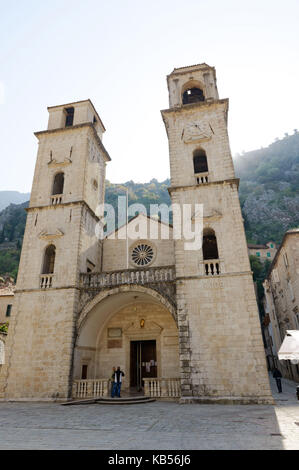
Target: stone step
125 398
124 401
111 401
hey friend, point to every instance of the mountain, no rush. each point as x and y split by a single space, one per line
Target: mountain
12 226
12 197
269 196
269 189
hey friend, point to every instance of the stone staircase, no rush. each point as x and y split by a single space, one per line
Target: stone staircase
128 400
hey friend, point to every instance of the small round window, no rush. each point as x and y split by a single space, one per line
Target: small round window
142 254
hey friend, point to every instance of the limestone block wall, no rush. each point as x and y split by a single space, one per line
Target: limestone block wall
114 254
222 213
226 355
39 346
285 283
159 326
94 175
83 112
282 293
90 247
64 145
74 152
216 146
115 250
58 225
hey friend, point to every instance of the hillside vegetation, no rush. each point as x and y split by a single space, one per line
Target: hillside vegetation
269 189
269 196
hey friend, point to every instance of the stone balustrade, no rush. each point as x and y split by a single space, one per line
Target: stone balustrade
162 388
211 267
56 199
46 281
129 276
90 388
201 178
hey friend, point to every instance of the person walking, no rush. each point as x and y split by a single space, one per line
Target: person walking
277 376
117 380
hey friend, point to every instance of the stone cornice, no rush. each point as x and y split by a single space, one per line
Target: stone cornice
199 105
77 126
192 68
50 289
63 204
231 181
219 276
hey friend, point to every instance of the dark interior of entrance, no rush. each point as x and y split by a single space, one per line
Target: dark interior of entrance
143 362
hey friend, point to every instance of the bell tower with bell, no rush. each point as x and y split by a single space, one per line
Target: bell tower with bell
221 348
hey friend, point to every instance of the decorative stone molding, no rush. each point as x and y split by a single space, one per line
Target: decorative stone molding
50 236
197 131
89 298
54 164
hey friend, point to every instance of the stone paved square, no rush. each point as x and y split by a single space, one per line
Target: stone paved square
158 425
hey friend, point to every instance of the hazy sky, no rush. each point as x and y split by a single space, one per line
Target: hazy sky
118 53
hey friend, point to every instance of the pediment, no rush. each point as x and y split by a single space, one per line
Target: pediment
44 235
149 326
208 216
212 215
55 164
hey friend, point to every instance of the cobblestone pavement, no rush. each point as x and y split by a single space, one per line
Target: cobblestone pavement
158 425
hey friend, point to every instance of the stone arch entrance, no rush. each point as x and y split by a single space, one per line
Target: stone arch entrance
119 322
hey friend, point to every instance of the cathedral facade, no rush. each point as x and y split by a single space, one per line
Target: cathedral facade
181 323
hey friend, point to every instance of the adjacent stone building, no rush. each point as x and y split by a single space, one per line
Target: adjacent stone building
182 323
281 301
6 302
264 252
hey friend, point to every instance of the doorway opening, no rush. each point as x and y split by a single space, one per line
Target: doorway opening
143 362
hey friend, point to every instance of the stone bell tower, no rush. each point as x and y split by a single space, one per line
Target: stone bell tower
221 349
59 243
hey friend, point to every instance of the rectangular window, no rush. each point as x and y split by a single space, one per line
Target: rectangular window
258 253
8 310
268 254
69 117
84 372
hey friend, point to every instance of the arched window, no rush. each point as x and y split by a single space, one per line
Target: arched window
209 245
49 260
200 162
193 95
58 184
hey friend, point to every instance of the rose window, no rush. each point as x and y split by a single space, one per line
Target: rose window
142 254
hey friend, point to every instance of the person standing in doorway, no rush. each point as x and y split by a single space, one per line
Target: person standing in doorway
113 384
118 374
277 376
